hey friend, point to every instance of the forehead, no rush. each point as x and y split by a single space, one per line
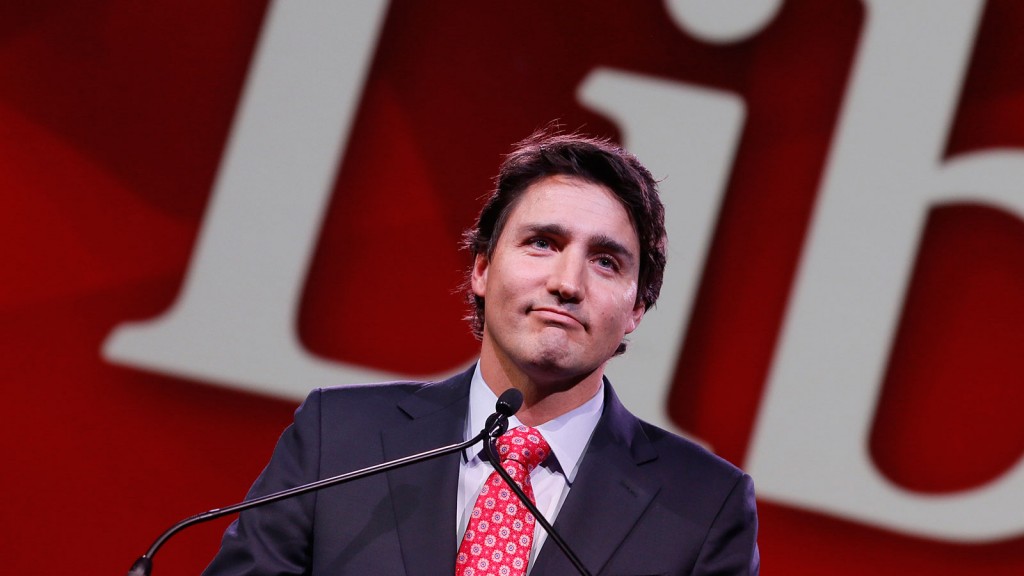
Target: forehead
580 206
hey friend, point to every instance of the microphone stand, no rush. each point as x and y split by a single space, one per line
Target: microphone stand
492 457
497 423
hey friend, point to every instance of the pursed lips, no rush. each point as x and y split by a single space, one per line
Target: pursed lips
557 313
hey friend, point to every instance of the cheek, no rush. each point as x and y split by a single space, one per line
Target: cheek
523 276
625 304
503 289
629 295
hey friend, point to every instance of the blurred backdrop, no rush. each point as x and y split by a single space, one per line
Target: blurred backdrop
209 208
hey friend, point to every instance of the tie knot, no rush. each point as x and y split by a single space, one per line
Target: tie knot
525 445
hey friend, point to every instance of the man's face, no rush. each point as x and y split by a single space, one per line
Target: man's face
561 284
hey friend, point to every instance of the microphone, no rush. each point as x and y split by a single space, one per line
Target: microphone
508 404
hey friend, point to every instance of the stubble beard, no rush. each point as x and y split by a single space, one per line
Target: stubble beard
555 360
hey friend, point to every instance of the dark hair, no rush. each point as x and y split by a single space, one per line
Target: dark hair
548 153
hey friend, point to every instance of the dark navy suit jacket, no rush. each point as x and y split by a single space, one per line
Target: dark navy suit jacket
644 501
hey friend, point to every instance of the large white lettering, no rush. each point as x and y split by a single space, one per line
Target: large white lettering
234 322
885 172
688 136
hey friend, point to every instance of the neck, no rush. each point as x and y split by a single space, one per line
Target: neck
545 396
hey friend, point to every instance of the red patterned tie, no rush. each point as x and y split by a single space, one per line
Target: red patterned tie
500 532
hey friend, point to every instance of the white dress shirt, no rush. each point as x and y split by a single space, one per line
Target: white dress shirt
568 436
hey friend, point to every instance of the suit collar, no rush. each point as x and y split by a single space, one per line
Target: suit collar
427 491
437 396
610 494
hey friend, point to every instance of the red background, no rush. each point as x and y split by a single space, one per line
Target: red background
113 119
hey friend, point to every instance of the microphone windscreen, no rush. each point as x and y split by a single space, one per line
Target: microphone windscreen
509 402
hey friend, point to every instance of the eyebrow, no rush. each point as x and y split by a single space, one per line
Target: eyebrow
605 243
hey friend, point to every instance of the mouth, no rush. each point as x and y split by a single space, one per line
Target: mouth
556 315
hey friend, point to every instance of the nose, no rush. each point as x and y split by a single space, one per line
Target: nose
567 277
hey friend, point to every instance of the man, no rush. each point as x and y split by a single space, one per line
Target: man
569 254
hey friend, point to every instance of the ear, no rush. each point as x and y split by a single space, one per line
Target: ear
479 277
635 315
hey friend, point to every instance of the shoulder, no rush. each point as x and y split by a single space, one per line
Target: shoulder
679 460
700 489
687 459
699 485
375 405
367 395
681 467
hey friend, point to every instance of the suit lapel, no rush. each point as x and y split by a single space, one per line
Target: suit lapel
423 495
609 495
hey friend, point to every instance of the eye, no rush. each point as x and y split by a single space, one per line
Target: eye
607 262
540 243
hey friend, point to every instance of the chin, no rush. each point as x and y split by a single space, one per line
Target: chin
552 352
560 366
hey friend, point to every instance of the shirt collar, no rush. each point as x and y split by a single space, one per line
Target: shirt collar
568 434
